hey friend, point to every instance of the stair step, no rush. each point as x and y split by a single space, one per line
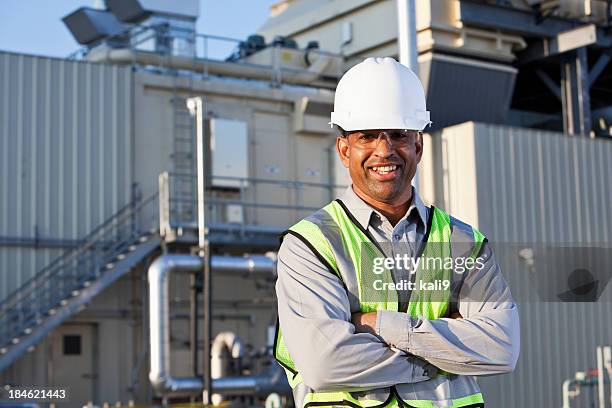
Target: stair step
65 279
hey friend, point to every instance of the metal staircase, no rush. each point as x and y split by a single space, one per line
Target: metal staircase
70 282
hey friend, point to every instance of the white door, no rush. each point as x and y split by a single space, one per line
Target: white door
73 362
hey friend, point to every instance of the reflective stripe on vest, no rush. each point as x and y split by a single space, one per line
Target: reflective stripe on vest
361 250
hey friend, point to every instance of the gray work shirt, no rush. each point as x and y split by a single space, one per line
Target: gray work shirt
315 318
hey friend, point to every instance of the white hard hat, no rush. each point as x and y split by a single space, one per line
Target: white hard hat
380 93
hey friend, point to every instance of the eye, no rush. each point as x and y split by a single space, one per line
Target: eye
368 137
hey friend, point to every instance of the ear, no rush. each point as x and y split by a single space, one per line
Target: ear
418 146
343 150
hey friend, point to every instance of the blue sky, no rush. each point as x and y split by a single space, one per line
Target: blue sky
35 26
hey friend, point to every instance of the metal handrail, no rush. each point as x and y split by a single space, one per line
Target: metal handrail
177 211
71 270
70 253
265 181
141 34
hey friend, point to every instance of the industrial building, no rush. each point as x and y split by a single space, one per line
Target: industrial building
99 163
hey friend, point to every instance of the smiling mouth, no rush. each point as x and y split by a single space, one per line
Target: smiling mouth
384 169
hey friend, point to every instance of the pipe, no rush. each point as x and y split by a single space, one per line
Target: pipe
272 380
407 46
311 77
159 326
223 341
568 394
406 36
601 382
248 265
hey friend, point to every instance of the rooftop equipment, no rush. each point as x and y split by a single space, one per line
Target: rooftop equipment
136 11
89 25
159 26
252 44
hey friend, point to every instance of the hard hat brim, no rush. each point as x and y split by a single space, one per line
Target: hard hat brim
418 121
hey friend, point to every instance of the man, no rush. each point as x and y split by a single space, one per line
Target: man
348 336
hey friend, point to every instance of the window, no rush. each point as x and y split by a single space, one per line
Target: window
72 345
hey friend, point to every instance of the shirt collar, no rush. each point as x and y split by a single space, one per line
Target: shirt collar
363 211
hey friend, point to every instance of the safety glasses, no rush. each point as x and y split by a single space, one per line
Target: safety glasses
396 137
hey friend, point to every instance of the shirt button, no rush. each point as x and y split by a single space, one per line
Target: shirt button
396 237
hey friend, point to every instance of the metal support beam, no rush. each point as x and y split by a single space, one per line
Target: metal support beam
193 324
598 68
565 41
207 332
523 22
550 84
510 19
575 96
39 242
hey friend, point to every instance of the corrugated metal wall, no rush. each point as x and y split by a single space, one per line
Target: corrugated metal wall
65 154
524 185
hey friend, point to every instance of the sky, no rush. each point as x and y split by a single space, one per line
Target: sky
35 26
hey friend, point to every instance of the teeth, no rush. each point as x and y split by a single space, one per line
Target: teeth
384 169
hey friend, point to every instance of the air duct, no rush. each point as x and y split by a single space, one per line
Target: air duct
134 11
310 76
88 25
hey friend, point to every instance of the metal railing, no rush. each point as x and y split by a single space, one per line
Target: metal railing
26 307
242 202
187 43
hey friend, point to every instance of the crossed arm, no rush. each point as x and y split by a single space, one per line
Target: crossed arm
335 349
315 318
482 337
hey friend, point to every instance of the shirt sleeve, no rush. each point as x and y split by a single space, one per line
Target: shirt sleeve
485 341
314 315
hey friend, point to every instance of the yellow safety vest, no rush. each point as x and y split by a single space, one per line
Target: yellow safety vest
361 250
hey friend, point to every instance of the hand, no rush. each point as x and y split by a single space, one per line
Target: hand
364 322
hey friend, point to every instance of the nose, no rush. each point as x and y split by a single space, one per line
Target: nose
384 145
